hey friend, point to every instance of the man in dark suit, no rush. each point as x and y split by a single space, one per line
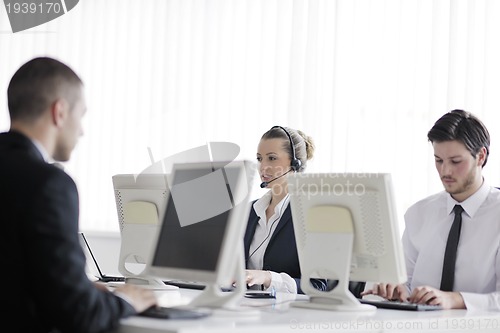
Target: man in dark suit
47 286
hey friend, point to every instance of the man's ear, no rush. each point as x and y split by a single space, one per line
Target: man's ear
58 112
481 156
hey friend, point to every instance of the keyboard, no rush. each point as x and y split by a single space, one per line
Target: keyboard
174 313
185 284
192 285
397 305
106 278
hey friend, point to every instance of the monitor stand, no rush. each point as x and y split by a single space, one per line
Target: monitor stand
134 254
226 302
340 298
134 274
149 283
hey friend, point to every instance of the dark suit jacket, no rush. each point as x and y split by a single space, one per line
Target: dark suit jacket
281 253
45 284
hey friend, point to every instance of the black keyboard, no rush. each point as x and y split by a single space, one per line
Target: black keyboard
397 305
106 278
192 285
185 284
174 313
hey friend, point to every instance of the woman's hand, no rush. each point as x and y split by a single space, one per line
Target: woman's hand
254 277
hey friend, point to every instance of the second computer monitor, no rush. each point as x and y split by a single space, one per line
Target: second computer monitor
201 237
346 229
140 205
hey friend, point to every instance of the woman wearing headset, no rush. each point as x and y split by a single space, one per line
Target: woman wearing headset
270 249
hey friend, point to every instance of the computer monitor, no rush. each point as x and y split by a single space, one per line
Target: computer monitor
140 204
346 229
201 237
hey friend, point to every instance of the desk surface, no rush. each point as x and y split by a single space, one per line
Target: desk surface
278 316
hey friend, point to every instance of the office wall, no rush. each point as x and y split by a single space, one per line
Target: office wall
366 79
106 248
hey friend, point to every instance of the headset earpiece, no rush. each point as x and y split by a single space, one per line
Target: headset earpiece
295 164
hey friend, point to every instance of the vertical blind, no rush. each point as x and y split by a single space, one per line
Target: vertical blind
365 78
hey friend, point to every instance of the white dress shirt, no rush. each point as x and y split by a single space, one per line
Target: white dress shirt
263 233
42 150
45 155
477 270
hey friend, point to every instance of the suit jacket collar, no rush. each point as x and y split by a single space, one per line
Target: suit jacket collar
285 219
15 141
252 225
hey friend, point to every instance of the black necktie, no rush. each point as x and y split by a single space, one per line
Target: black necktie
450 254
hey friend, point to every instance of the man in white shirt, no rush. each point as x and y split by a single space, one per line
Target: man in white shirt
461 148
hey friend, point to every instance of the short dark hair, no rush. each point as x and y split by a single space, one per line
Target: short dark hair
36 85
462 126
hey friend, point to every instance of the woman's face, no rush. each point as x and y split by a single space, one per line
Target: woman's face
274 162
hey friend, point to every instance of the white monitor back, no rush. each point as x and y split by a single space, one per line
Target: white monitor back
140 204
346 228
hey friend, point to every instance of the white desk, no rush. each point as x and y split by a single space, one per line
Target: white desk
277 316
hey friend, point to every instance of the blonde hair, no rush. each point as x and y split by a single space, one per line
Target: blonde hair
302 144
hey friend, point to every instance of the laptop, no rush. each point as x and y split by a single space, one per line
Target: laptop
92 263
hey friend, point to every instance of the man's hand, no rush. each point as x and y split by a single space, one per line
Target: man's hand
430 295
388 291
140 298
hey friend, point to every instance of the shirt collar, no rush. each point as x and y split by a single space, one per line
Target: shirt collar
42 150
472 203
261 204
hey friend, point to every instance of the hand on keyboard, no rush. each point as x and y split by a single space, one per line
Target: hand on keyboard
424 295
388 291
431 295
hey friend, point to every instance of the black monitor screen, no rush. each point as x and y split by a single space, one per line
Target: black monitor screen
198 245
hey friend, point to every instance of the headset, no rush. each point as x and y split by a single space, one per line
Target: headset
295 164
